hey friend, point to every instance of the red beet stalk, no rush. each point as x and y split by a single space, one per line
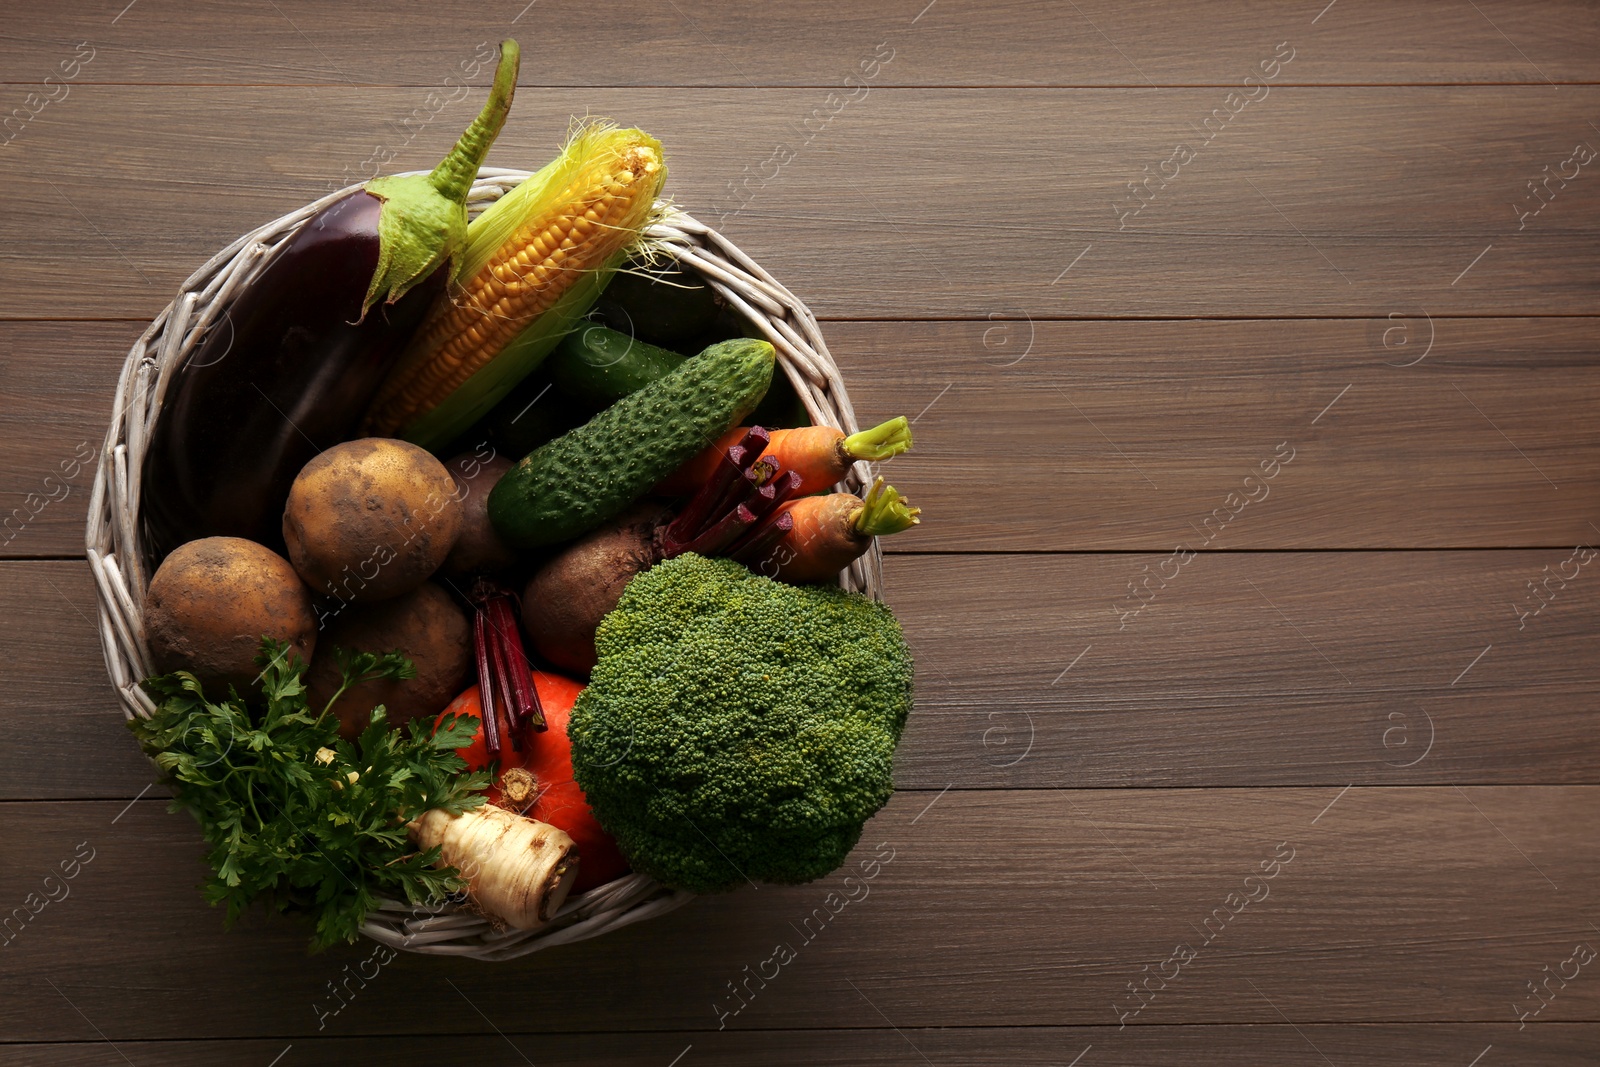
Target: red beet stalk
522 699
766 506
759 542
710 502
724 532
483 651
505 680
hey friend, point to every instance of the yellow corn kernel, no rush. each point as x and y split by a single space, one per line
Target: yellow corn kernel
582 218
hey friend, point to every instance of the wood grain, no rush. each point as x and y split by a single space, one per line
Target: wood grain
1261 1045
1400 905
873 217
1350 267
1249 669
1092 436
64 735
57 382
810 42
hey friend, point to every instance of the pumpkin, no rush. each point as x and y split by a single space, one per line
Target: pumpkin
537 781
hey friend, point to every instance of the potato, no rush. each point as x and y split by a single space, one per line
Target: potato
370 519
479 549
209 605
426 626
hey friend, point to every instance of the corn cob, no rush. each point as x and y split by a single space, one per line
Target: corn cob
534 263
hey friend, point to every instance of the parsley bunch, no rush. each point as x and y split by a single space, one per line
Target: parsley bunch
295 815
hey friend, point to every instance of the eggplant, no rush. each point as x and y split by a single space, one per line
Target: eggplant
293 363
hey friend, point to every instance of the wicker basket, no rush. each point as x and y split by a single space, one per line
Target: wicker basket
119 560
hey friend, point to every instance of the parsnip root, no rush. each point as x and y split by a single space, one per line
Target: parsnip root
518 870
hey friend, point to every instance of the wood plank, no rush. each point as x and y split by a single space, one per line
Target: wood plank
1249 669
1550 1044
1089 436
878 216
64 735
810 42
57 384
1394 905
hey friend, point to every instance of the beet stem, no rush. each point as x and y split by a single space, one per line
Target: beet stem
503 682
723 532
716 496
758 543
766 504
704 504
521 697
486 696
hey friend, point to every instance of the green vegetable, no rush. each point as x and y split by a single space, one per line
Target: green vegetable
532 414
600 365
294 815
736 728
664 304
585 477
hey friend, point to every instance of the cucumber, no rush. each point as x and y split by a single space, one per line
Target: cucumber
601 365
589 475
532 414
665 306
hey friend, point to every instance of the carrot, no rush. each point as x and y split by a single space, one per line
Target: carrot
518 870
828 532
819 454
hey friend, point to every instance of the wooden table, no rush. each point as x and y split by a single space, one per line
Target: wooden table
1255 610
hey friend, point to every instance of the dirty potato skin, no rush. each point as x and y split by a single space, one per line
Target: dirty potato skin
210 603
370 519
478 549
564 602
426 626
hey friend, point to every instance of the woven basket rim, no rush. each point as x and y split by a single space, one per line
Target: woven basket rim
117 557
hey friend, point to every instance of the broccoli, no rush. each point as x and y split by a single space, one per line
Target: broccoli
737 728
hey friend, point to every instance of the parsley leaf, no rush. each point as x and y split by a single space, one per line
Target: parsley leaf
295 816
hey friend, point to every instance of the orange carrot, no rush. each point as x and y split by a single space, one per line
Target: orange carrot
828 532
819 454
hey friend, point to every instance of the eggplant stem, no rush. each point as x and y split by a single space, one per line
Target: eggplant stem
454 175
423 222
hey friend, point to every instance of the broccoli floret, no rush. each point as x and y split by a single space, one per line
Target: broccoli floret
737 728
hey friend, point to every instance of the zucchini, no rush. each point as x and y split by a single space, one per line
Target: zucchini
589 475
601 365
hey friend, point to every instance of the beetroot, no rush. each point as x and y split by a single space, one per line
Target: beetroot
564 602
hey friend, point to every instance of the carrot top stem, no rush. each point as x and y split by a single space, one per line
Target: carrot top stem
879 443
884 512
